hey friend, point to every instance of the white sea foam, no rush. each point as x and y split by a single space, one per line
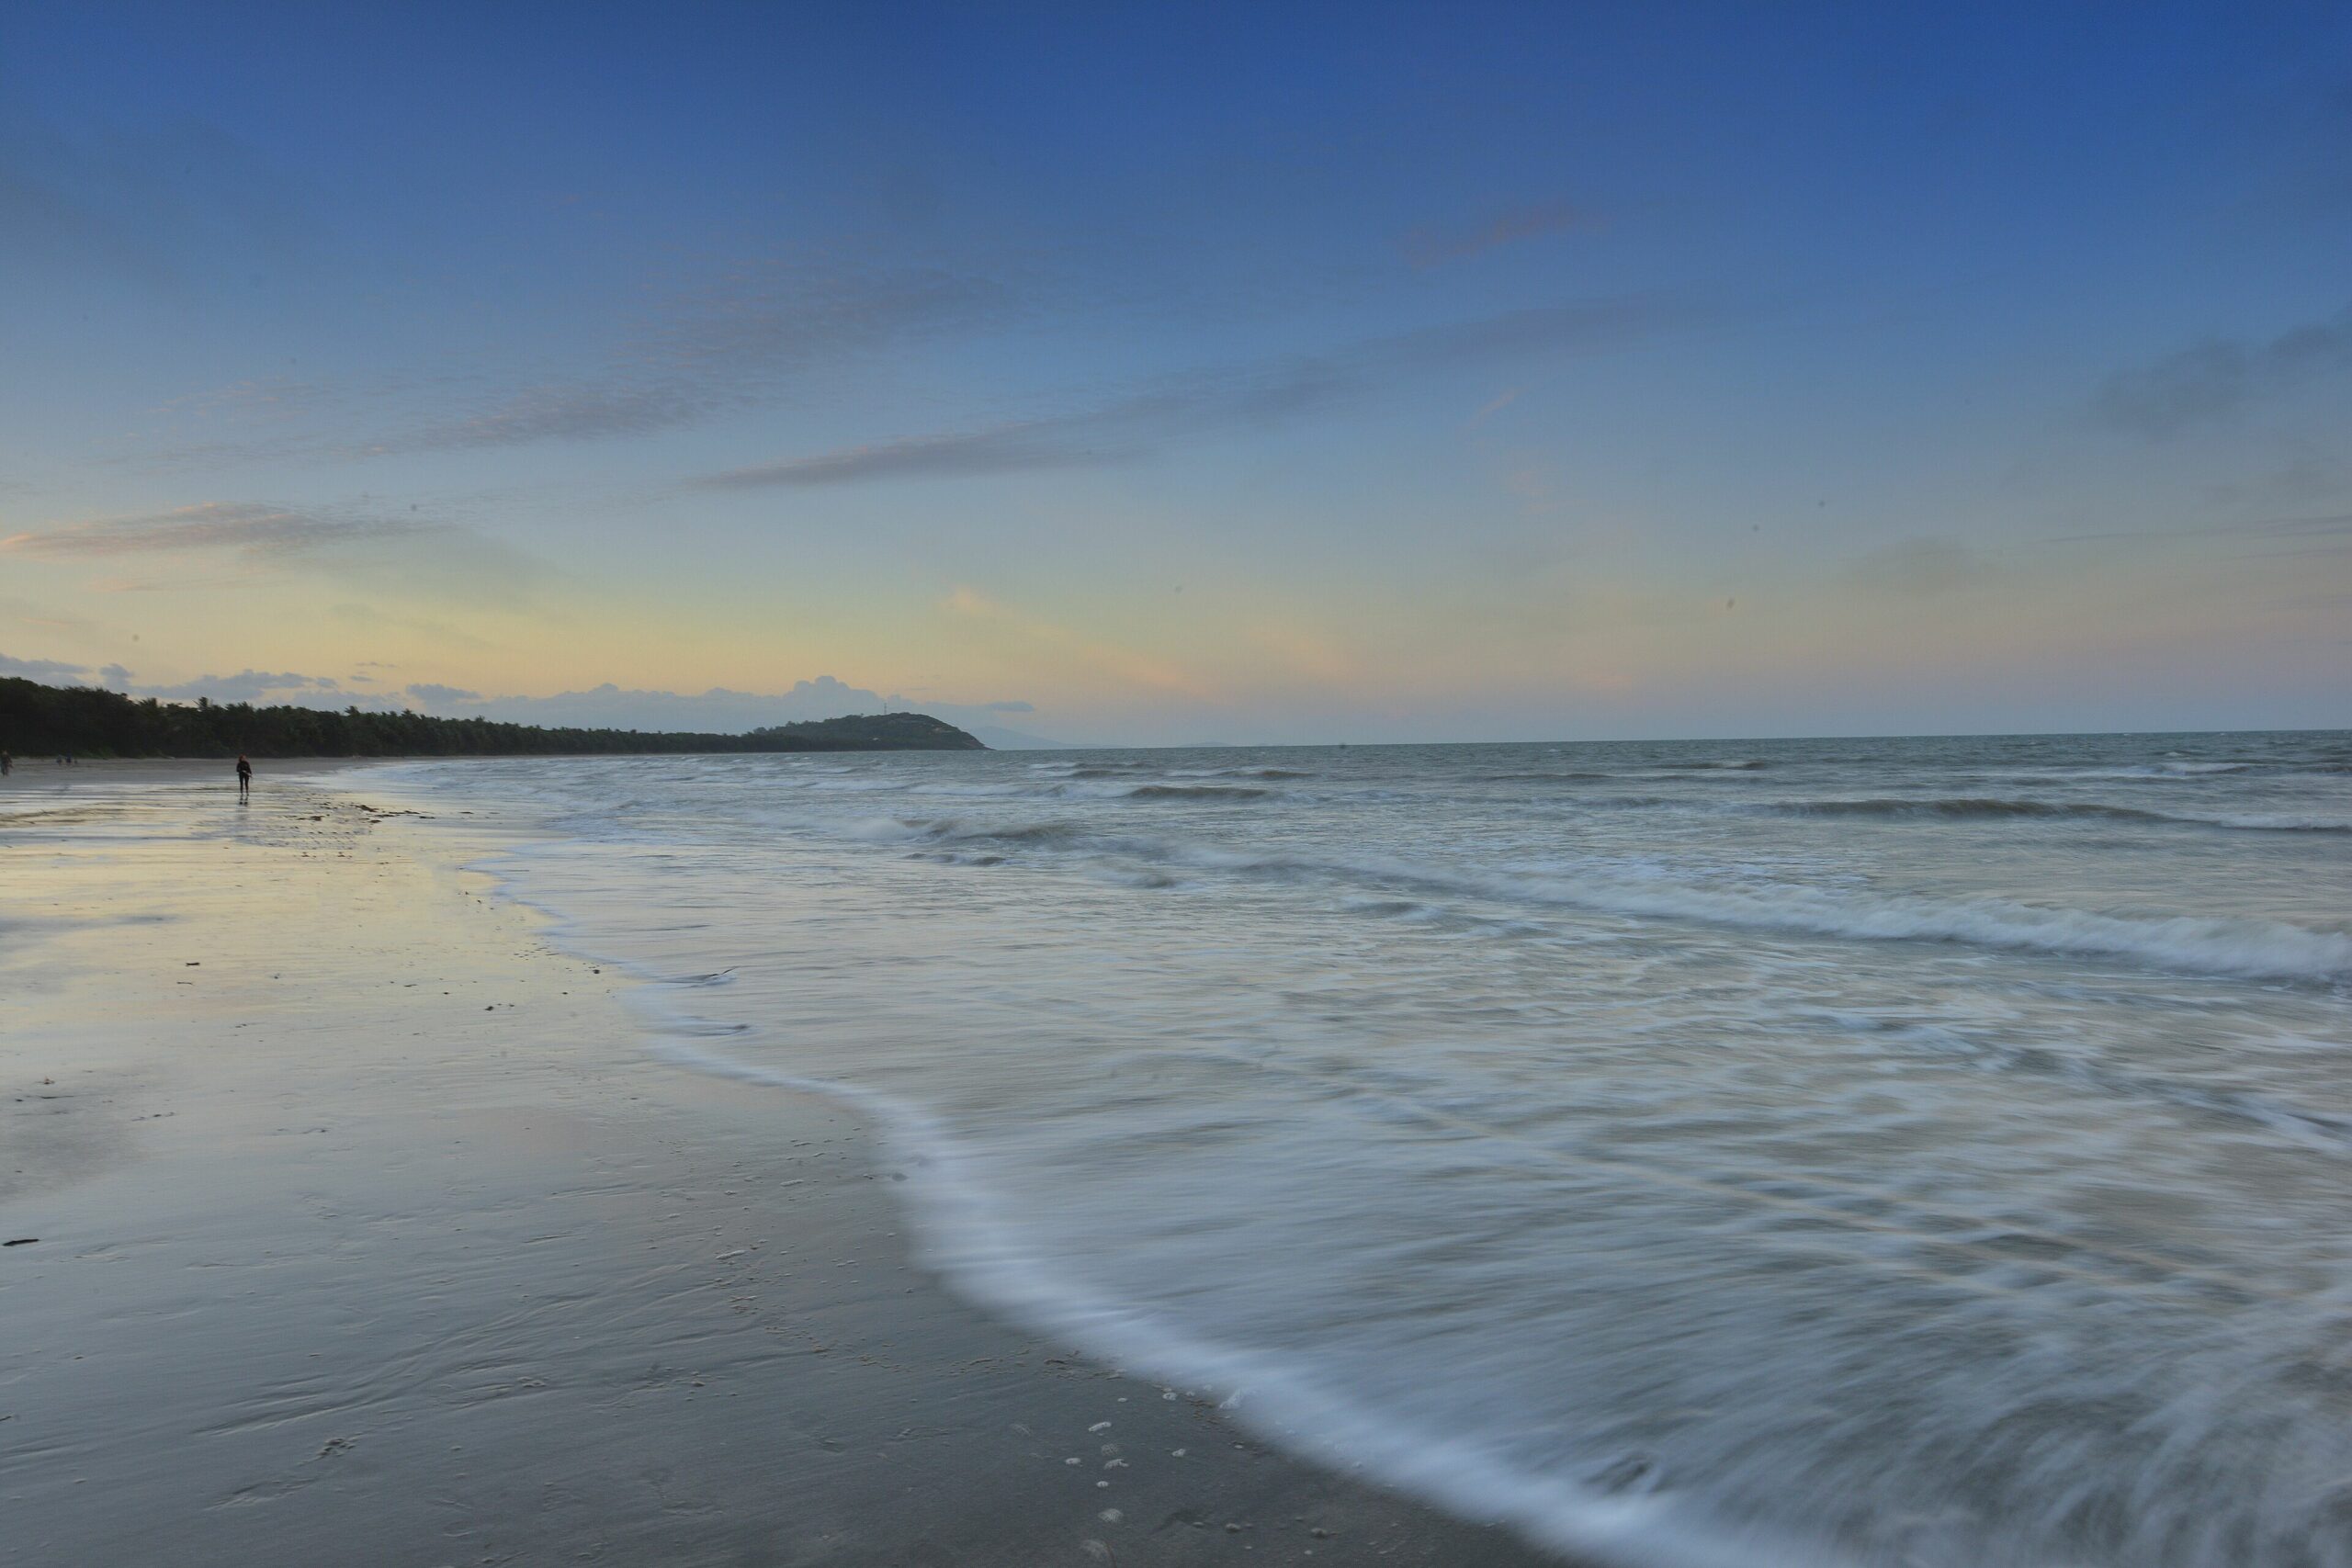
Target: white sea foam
2004 810
963 1232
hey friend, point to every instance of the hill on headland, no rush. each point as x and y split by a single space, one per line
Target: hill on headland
87 721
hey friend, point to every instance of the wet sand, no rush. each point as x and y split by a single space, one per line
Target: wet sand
359 1228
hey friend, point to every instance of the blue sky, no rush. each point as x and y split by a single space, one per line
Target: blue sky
1261 372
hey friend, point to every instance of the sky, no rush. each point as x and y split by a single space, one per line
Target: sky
1170 374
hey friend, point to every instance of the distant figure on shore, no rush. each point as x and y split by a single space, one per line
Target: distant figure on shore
245 778
7 764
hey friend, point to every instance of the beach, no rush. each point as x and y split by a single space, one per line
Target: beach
351 1221
1677 1154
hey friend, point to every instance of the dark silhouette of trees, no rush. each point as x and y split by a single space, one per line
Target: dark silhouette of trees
86 721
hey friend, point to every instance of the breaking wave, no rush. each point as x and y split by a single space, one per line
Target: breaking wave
1196 792
2253 948
1974 809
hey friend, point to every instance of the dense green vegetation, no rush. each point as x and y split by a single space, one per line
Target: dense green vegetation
83 721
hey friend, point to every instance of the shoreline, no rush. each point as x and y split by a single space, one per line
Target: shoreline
366 1229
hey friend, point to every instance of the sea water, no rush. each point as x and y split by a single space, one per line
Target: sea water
1927 1152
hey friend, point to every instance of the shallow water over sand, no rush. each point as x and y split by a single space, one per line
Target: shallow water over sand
1914 1152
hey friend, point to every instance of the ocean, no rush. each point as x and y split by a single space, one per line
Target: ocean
1925 1152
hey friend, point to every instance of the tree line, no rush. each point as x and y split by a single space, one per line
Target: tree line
88 721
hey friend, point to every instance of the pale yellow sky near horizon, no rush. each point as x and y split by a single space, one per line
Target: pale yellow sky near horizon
1935 628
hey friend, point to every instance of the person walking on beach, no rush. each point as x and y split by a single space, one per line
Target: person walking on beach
245 778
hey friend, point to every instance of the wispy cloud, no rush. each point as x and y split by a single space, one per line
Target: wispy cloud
731 345
44 617
1427 247
742 340
1078 441
1495 405
559 412
1242 397
411 554
431 691
252 530
2220 380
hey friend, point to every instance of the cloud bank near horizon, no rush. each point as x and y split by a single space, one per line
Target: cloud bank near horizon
719 710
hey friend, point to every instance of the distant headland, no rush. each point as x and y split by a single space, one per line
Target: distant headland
88 721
